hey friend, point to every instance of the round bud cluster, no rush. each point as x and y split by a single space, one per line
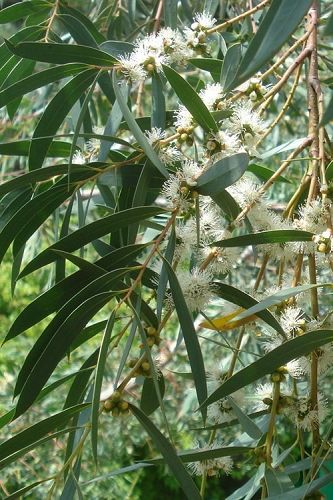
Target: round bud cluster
323 241
143 369
185 135
116 405
259 454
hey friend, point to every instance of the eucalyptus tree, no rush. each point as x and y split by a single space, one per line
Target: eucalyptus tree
167 174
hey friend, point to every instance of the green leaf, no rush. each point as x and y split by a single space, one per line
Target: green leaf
30 436
278 236
38 80
78 389
328 114
170 13
54 298
54 115
222 174
242 299
191 100
329 26
305 490
91 232
277 298
57 348
280 21
278 481
214 66
15 12
99 374
186 482
117 48
280 356
19 493
61 53
230 64
247 424
135 129
200 455
264 173
158 103
96 286
149 400
43 174
117 472
190 337
57 149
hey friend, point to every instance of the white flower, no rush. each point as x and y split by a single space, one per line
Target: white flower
305 417
247 124
246 120
245 192
324 359
222 144
263 396
169 154
78 158
183 118
211 94
292 321
213 466
312 218
175 46
93 145
203 21
176 188
197 288
132 67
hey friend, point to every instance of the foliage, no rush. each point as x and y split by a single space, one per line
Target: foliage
168 207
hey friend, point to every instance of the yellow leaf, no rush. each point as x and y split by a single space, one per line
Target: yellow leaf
226 323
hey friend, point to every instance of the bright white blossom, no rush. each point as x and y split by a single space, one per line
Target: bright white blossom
247 124
305 417
213 466
169 154
203 21
222 144
79 158
292 321
211 94
312 218
197 288
176 189
183 118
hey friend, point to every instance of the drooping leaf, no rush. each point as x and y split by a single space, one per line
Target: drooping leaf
186 482
57 348
230 64
91 232
222 174
37 80
135 129
18 11
149 400
280 21
61 53
57 149
264 237
280 356
54 115
190 336
191 100
99 375
28 437
214 66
